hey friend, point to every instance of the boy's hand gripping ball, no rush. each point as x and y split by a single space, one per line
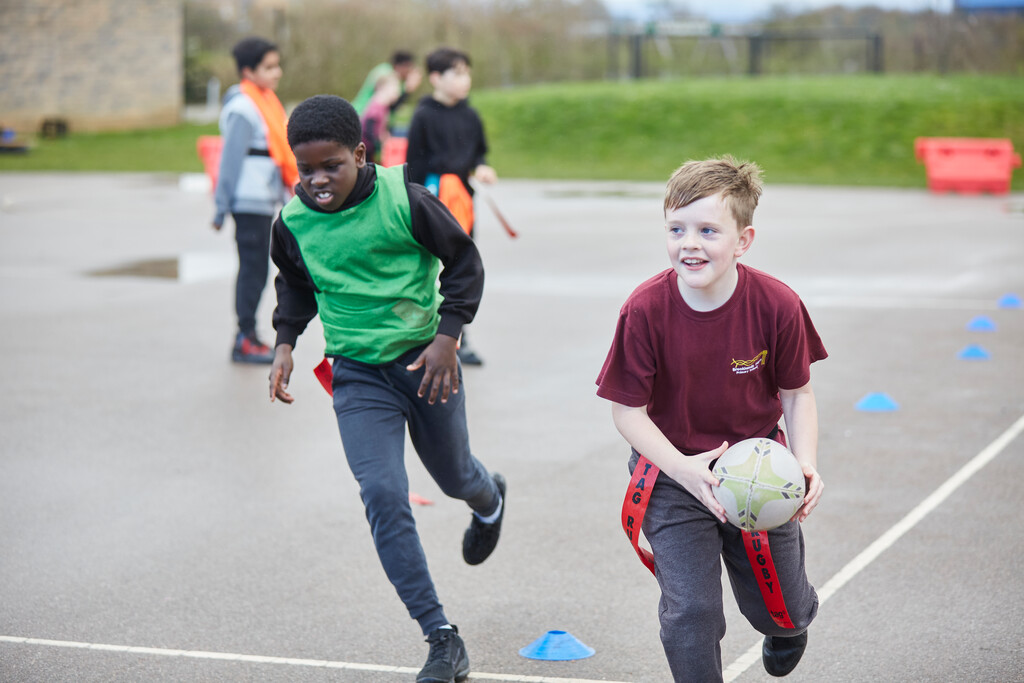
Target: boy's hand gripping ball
762 485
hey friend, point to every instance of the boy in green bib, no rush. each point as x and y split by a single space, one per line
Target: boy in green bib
362 247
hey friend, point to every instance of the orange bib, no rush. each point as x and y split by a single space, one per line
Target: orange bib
453 194
274 117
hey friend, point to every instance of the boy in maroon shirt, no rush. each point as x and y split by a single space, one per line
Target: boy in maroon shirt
706 354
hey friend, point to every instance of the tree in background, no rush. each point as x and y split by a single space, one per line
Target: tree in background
332 44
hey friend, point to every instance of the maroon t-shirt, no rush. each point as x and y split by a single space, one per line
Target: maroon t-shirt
709 377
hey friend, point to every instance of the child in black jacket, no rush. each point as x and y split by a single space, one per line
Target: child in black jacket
447 141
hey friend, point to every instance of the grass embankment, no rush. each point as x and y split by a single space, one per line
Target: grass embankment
855 130
170 150
850 130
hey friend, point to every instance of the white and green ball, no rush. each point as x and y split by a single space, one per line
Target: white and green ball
762 485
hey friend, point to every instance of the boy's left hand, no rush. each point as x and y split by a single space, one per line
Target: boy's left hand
441 375
485 174
814 487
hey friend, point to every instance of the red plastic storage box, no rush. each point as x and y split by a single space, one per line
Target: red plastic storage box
967 165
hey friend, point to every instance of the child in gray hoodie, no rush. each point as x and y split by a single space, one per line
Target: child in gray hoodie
251 182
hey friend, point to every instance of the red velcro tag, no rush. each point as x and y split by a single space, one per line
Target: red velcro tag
325 374
760 555
634 507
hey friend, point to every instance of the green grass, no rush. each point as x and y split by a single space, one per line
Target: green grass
170 150
856 130
849 130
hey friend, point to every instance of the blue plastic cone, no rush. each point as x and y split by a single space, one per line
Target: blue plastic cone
974 352
557 646
877 403
1009 301
981 324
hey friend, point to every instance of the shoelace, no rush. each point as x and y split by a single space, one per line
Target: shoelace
438 649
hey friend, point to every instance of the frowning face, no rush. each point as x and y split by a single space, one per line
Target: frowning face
328 171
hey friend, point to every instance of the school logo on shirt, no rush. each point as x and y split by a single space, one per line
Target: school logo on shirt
742 367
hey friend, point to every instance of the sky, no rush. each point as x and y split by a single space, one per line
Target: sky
749 10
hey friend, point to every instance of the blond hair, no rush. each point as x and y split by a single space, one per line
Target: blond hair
739 182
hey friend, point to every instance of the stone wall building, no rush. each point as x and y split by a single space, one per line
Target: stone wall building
95 64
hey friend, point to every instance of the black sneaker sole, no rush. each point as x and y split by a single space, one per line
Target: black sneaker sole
251 360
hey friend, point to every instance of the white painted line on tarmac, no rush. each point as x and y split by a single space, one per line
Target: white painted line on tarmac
886 540
288 661
731 672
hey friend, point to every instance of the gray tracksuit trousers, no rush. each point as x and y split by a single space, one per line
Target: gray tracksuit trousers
689 545
374 405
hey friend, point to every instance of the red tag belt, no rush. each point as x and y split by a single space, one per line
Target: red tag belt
634 507
760 556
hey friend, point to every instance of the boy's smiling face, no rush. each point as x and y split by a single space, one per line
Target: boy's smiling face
328 171
704 242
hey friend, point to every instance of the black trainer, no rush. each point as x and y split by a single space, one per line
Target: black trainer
780 655
249 349
468 356
479 541
447 660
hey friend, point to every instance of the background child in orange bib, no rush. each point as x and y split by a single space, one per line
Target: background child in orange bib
256 176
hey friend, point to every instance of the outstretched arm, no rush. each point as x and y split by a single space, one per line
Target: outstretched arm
801 412
461 285
296 306
296 299
238 132
689 471
462 278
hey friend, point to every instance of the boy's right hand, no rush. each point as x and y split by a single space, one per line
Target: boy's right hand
693 473
280 373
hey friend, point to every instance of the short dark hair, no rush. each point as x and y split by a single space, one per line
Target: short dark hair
401 57
249 52
444 58
324 117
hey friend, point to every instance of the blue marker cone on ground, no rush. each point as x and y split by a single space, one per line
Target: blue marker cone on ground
982 323
556 646
877 403
1009 301
974 352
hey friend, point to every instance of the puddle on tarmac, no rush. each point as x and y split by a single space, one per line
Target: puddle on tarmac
185 268
163 268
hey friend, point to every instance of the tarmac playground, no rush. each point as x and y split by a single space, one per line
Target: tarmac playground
161 520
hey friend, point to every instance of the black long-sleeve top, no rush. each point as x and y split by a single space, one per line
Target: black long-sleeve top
461 279
445 139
